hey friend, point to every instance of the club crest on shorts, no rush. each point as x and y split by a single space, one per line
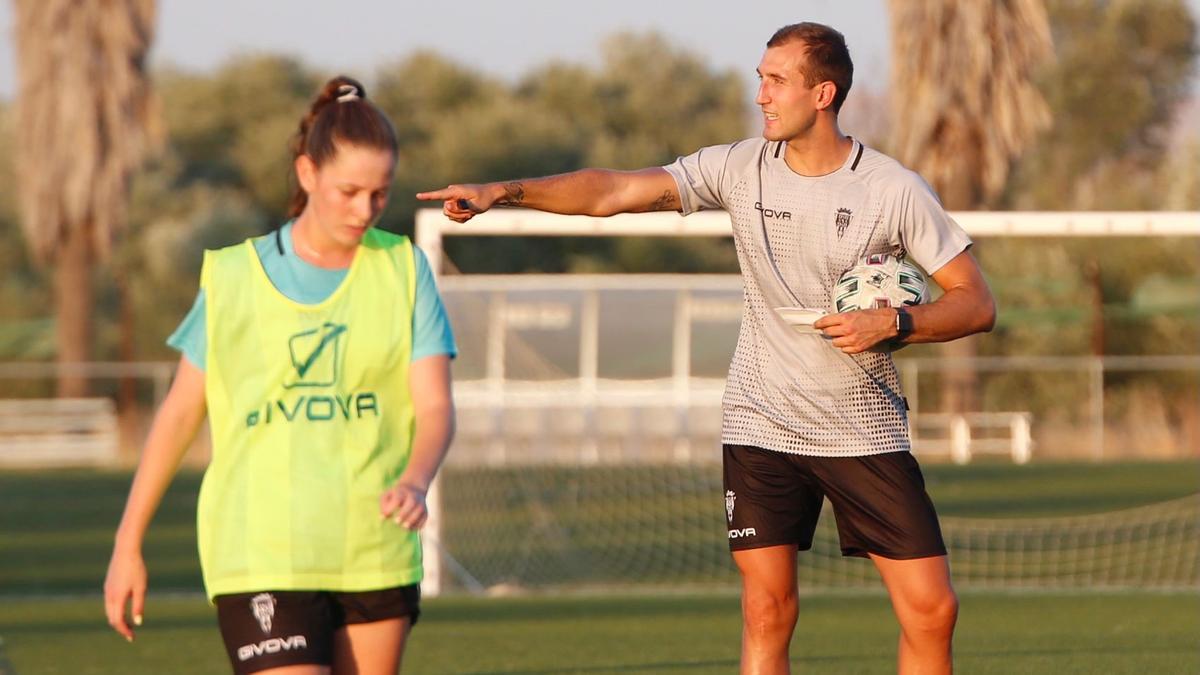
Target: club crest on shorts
263 608
842 221
729 499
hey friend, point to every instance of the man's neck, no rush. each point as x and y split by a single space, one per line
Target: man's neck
819 152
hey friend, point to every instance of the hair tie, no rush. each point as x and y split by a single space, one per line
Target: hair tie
347 92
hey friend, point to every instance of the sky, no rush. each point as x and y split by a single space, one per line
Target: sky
506 39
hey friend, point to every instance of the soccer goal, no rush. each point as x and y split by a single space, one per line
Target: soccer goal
588 443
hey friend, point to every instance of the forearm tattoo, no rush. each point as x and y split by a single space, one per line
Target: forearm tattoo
514 194
665 202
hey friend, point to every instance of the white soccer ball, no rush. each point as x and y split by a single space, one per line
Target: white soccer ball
880 280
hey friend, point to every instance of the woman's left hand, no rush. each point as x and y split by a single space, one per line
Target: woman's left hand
404 504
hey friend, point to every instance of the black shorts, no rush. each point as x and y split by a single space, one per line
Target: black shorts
879 502
286 628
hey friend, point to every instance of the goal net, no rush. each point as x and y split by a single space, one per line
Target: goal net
588 444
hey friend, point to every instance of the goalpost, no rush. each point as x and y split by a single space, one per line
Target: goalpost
568 472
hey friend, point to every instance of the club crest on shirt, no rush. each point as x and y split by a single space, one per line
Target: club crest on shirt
842 221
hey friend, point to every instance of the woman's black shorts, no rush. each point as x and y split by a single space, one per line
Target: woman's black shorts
270 629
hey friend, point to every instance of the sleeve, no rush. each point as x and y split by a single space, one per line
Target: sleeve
926 232
191 338
431 330
699 178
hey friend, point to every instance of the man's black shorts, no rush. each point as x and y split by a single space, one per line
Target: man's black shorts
879 502
286 628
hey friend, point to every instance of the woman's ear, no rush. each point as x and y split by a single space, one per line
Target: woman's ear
306 173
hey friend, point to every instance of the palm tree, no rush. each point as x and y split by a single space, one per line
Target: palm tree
964 106
85 117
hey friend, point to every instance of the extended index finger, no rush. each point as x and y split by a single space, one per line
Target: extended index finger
444 194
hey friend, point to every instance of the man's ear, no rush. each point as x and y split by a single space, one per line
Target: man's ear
826 92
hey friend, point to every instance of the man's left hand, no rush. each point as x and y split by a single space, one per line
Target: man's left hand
858 331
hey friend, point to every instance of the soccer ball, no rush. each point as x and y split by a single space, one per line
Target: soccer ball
880 280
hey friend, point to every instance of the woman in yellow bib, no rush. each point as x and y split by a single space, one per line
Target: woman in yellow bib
320 354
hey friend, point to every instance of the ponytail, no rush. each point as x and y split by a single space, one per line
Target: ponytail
340 113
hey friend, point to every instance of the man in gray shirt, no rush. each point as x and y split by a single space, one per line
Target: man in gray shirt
808 416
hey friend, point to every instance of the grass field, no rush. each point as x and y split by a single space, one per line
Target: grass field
57 526
1003 634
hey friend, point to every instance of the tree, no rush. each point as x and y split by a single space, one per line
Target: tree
458 125
23 295
965 106
1123 70
86 117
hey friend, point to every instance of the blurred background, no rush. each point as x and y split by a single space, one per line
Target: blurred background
134 134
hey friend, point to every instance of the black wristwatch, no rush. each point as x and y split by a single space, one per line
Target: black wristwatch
904 323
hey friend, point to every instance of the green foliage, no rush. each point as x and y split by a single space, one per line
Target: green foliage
1122 69
234 127
659 102
456 126
1148 286
26 331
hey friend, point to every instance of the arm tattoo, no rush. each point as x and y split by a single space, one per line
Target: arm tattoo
665 202
514 194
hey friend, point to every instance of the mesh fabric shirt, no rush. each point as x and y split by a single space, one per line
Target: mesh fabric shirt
795 236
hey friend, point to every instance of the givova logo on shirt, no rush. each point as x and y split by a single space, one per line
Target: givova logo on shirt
315 355
772 213
316 358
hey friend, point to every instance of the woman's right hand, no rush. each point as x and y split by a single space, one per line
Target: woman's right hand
125 583
174 427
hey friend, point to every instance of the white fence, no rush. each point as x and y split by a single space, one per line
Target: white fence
600 357
1086 413
58 432
613 422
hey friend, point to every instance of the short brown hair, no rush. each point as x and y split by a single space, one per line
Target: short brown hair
340 113
828 56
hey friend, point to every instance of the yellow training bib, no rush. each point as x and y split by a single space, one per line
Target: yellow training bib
311 422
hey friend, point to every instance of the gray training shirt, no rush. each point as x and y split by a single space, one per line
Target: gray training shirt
795 237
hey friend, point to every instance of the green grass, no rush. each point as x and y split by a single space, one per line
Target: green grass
1133 633
1002 490
597 524
56 532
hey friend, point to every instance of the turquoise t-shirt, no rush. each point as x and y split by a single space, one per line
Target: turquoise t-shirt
306 283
